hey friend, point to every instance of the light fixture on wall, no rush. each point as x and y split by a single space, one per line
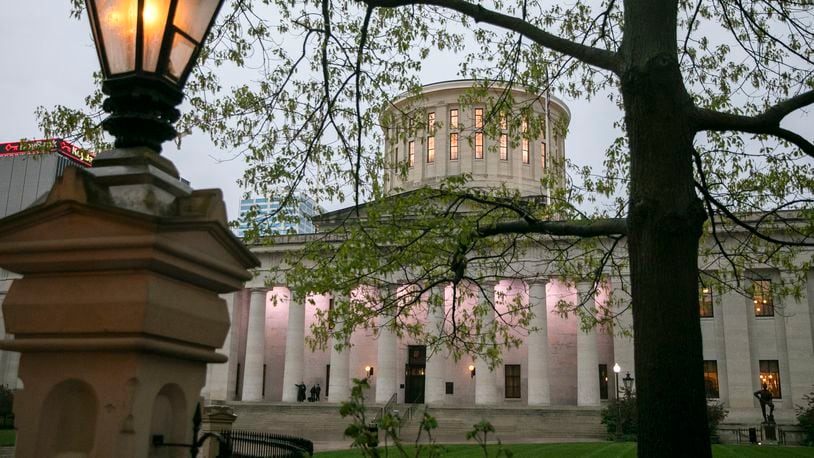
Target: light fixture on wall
471 370
368 371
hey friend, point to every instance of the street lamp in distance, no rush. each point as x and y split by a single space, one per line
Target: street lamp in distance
616 370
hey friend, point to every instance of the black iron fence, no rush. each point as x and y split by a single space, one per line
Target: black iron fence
252 444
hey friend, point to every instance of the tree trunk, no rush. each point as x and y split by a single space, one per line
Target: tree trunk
665 223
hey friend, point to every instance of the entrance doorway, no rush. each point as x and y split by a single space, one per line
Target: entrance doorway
414 374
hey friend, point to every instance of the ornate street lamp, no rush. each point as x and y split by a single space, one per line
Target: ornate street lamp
616 370
628 381
147 49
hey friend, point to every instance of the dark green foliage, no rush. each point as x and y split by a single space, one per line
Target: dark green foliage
715 415
480 432
805 418
626 410
6 404
6 400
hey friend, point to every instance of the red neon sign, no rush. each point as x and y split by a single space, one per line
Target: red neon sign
51 145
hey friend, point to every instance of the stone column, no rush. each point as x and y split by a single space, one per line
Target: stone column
294 370
797 317
736 310
386 353
623 353
539 393
255 347
217 387
434 388
587 359
485 378
339 386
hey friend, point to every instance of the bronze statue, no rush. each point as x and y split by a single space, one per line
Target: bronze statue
765 398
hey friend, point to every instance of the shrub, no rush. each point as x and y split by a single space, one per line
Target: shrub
6 400
627 409
715 415
805 418
621 411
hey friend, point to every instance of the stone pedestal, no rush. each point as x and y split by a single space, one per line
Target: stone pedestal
215 418
118 310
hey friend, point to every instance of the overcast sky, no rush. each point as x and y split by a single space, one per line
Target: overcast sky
48 59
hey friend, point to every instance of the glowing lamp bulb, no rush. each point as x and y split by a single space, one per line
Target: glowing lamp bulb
150 15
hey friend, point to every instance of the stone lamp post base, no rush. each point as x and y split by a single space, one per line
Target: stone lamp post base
117 313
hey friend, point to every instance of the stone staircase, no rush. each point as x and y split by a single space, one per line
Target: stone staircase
322 424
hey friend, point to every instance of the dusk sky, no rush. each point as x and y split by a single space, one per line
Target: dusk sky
48 59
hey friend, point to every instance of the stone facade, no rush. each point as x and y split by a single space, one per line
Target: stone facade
558 366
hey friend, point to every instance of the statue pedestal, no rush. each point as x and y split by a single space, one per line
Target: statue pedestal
769 433
117 313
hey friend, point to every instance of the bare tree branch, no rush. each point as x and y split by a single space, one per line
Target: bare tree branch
596 57
592 228
767 122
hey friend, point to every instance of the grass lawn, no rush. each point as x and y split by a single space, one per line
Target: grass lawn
596 450
7 437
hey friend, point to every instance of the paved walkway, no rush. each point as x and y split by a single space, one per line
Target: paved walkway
6 452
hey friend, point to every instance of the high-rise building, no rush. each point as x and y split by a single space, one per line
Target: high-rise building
294 217
28 170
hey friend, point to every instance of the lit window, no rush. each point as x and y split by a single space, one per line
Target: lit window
430 149
512 374
431 123
331 313
762 297
524 143
478 118
503 123
525 150
478 145
453 146
770 375
705 301
542 156
504 147
453 119
711 379
411 153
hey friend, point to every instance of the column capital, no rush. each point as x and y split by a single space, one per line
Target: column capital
537 281
258 289
584 287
